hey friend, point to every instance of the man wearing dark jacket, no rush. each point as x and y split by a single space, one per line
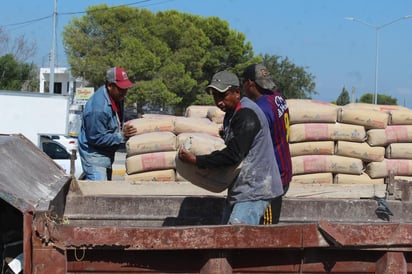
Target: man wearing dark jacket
247 139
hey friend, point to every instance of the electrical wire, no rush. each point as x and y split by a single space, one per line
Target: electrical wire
18 25
80 12
123 5
29 21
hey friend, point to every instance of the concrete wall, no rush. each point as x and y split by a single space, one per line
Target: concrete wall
62 77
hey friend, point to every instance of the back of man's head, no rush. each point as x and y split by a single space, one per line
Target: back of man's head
260 75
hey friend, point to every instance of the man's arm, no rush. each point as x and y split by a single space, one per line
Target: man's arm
245 125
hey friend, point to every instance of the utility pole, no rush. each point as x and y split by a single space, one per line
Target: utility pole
52 51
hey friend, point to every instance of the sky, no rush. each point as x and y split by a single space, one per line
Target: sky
312 34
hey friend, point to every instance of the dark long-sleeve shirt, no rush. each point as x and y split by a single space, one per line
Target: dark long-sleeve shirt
248 141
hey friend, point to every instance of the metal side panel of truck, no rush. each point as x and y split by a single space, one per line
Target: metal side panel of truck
52 223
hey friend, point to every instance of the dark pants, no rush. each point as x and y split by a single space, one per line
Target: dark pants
272 213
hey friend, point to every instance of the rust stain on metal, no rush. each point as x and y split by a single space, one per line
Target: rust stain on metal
195 237
392 262
385 234
320 247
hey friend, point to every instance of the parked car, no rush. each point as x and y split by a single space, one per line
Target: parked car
60 148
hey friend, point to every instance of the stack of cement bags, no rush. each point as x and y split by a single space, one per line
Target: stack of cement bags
352 144
151 153
396 138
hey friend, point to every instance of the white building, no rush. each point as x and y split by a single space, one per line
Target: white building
64 82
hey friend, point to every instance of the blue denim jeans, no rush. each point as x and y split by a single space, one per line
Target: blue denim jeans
249 212
97 173
97 167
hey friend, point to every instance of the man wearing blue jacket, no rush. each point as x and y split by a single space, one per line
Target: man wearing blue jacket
103 128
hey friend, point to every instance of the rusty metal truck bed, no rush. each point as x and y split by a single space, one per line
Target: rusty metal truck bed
69 226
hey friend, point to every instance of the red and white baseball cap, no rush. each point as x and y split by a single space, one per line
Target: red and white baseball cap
118 76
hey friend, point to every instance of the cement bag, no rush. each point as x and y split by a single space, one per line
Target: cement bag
368 118
151 142
347 179
405 178
215 180
308 103
376 137
391 134
150 161
166 175
196 111
312 148
315 178
326 163
398 134
401 117
312 113
326 132
361 151
145 125
158 116
205 143
397 167
399 151
202 125
386 108
216 115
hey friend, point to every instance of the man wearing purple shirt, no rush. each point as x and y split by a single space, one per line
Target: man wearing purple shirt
259 87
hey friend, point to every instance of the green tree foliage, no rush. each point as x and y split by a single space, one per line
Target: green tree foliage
343 98
15 75
170 56
291 80
381 100
386 100
366 98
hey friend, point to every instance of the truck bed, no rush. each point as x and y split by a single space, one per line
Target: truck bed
70 226
140 228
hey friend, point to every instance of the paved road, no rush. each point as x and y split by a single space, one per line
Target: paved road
119 166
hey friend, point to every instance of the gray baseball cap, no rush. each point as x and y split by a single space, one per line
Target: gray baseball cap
260 75
222 81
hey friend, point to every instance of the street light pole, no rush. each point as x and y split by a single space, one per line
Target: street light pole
377 29
52 51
